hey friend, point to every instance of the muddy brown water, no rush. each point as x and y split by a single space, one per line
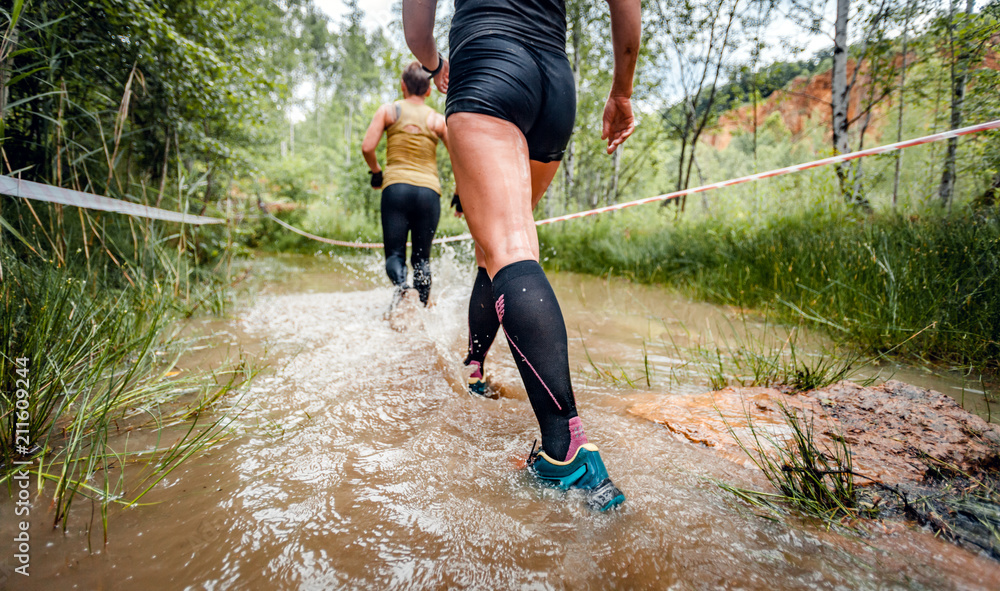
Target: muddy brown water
361 463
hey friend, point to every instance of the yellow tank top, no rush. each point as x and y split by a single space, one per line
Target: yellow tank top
411 153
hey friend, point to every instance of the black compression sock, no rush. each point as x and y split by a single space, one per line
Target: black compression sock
536 332
483 321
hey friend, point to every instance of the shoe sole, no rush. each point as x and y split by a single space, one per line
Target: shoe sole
605 496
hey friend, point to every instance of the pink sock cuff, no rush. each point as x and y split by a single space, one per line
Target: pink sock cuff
576 436
478 372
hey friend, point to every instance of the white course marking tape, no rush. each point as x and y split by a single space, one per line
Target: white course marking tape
41 192
55 195
728 183
445 240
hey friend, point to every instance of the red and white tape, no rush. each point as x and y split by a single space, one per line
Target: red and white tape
780 171
288 226
728 183
41 192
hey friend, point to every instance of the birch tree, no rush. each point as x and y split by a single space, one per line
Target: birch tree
959 68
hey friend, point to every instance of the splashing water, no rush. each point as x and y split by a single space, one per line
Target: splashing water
363 463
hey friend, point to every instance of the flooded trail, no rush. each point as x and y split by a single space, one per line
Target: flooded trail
363 464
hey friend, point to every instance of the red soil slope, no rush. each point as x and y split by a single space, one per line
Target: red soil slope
804 104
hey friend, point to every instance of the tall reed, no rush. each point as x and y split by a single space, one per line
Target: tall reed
89 301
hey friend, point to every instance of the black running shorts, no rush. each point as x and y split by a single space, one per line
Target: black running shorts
530 87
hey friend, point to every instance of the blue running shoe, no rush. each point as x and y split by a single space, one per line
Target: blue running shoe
477 386
585 471
477 383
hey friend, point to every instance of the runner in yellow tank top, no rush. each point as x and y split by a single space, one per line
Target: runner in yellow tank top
411 153
410 187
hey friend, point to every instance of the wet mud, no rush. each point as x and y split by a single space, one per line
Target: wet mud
897 432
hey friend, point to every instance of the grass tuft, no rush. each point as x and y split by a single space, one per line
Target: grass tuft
819 482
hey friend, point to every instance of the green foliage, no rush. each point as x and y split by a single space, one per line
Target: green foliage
743 354
765 82
90 358
88 73
151 102
748 358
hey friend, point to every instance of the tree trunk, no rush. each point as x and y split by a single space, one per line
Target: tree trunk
857 174
959 79
704 194
699 125
319 124
990 196
899 124
348 128
568 160
616 157
680 162
5 67
840 98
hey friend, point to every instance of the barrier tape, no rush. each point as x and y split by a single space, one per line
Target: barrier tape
288 226
781 171
41 192
677 194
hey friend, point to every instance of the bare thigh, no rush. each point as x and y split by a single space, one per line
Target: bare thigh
500 187
542 174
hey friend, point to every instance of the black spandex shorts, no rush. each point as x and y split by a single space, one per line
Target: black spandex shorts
530 87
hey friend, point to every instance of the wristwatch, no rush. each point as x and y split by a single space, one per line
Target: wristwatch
434 72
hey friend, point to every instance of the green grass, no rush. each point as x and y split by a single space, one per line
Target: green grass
927 287
747 353
818 482
94 363
89 311
955 504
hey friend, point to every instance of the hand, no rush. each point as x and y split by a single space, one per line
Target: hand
618 121
441 78
376 180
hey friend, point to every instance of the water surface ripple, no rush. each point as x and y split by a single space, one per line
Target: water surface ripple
363 465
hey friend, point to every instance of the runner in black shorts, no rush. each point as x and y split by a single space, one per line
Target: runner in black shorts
510 113
532 87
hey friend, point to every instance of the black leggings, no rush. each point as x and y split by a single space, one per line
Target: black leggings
407 209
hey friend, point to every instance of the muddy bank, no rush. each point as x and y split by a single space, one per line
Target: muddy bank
944 460
897 432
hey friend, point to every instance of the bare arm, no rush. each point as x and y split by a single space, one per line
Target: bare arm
626 32
418 28
373 136
436 123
